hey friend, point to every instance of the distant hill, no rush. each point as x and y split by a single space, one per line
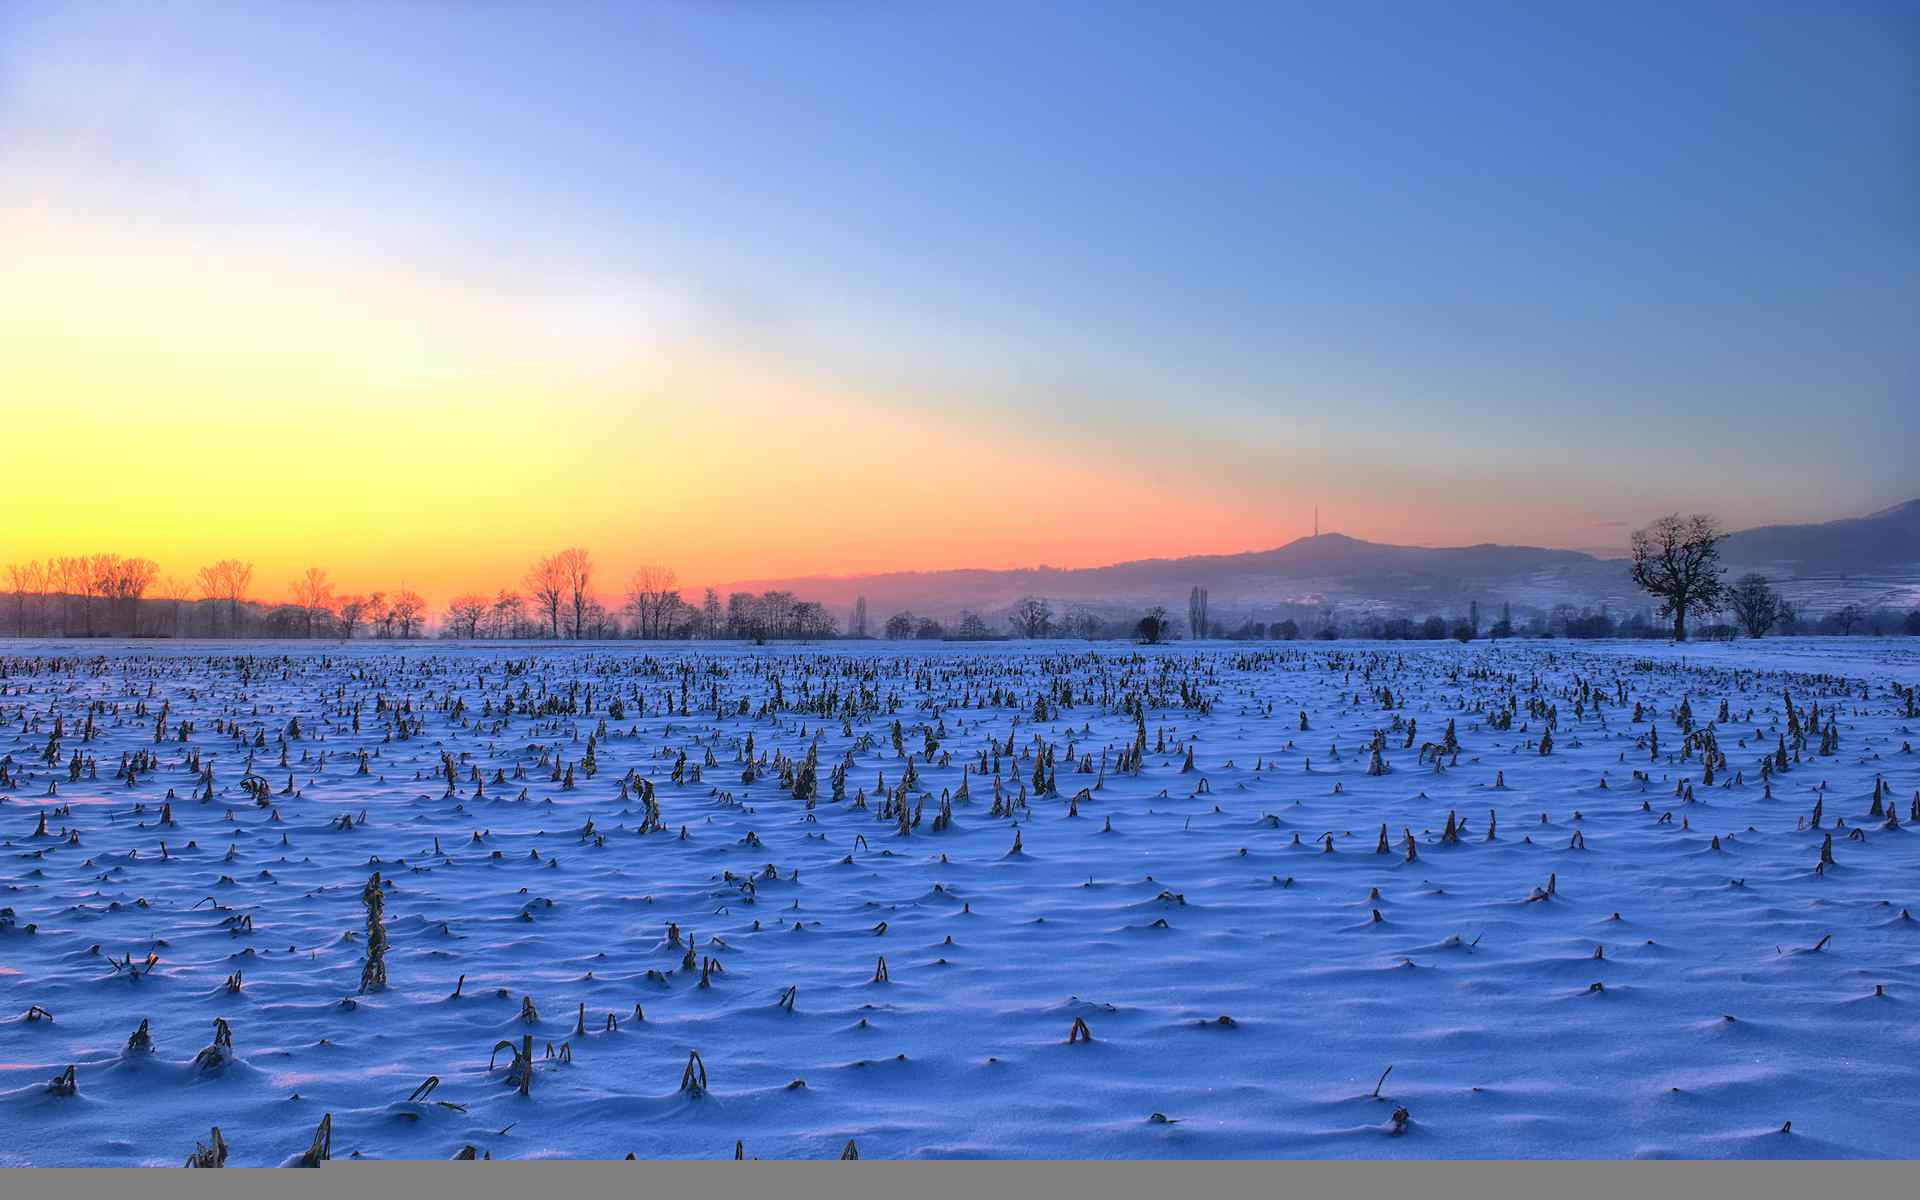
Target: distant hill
1872 560
1888 538
1879 555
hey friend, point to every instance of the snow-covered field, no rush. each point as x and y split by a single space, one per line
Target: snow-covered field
1612 958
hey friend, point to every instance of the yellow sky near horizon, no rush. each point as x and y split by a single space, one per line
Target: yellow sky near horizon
418 296
192 399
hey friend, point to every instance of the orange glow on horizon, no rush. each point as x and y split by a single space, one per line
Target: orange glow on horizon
190 400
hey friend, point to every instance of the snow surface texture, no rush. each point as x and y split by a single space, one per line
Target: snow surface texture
1646 995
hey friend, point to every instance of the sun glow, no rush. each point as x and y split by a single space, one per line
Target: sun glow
230 399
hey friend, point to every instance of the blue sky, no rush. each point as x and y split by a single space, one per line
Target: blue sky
1475 271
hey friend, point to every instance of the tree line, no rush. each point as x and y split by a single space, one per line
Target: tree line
1675 560
107 595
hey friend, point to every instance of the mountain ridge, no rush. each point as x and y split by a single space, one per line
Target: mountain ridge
1869 559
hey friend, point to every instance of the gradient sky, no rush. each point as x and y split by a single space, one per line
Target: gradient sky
416 290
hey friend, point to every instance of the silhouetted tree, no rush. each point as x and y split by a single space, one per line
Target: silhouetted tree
175 591
120 582
778 609
594 622
809 619
227 580
29 579
1152 628
506 614
1677 560
547 583
648 592
409 611
314 595
353 610
284 621
1081 623
1847 618
1755 604
576 574
740 615
1032 617
1788 621
464 614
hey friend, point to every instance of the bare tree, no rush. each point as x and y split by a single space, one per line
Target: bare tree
313 593
75 577
1788 621
507 614
46 597
1327 628
239 577
380 614
1152 628
102 580
16 576
810 620
1755 604
670 609
650 593
596 622
547 582
464 614
136 576
355 609
176 591
1847 618
228 580
774 613
740 614
1032 617
899 626
575 564
1677 559
677 618
857 627
105 593
1197 613
208 579
409 611
1081 623
28 579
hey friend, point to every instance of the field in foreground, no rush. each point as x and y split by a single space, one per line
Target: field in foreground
1613 954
